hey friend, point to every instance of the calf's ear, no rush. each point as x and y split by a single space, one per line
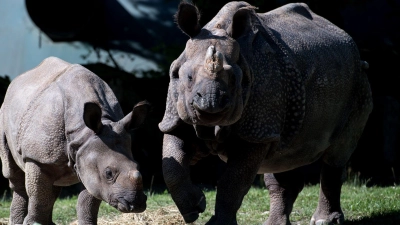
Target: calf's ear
135 118
241 22
92 116
187 17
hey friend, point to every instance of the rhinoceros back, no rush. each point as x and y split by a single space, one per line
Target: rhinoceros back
310 78
43 109
328 71
314 42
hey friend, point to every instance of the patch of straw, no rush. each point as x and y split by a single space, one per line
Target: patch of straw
3 221
168 215
163 216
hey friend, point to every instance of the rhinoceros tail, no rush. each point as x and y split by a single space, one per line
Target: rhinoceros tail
364 65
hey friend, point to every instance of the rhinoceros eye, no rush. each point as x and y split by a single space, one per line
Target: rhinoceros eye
109 174
190 77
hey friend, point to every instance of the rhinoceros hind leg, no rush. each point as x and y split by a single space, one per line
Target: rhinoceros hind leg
19 203
87 208
283 190
329 210
335 159
41 193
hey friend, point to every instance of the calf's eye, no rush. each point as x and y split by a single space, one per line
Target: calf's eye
109 174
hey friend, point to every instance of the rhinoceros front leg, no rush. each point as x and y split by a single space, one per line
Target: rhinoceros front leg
329 210
283 190
41 193
243 163
189 199
87 208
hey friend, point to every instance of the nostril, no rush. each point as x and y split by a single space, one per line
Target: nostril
224 101
199 95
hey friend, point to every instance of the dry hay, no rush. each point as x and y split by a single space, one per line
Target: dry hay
163 216
3 221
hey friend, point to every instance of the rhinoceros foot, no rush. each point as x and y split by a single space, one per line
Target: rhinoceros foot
283 220
199 208
333 218
217 221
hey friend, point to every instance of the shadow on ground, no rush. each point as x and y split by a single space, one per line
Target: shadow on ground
390 218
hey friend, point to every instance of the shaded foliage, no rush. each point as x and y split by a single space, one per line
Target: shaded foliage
4 82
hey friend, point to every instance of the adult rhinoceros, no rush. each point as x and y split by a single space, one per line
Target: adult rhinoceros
269 93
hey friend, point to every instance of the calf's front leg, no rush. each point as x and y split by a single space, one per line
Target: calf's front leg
176 161
87 208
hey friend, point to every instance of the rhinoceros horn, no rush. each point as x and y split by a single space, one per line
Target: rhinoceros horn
135 177
214 60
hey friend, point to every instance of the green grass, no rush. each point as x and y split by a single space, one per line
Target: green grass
361 205
4 206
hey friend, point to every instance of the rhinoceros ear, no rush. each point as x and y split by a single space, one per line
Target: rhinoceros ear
171 117
135 118
187 17
241 22
92 116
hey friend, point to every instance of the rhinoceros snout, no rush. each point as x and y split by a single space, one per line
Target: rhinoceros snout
137 204
210 103
140 204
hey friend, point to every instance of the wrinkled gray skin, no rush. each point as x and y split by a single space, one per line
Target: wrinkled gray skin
269 93
61 124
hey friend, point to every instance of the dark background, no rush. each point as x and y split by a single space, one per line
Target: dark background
107 25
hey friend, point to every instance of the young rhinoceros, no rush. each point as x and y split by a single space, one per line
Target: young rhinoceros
61 124
269 93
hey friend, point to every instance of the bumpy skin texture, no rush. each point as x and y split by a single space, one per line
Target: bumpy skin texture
61 124
269 93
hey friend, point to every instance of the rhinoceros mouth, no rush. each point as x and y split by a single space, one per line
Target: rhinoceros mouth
131 208
136 206
202 117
